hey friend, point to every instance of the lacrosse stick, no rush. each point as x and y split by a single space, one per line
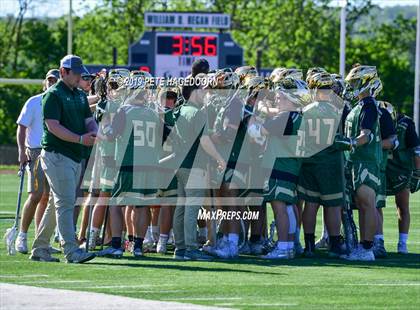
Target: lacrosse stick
11 233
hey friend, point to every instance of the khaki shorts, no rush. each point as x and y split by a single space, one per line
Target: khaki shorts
37 182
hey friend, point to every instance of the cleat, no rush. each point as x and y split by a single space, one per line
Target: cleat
111 253
402 248
80 256
197 255
277 254
137 253
43 255
298 248
128 246
21 244
379 249
257 248
308 253
201 240
162 246
360 254
179 254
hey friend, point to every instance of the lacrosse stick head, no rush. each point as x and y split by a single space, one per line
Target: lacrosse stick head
9 238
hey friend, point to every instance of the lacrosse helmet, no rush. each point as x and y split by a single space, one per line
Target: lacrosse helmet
293 89
245 72
362 79
312 71
321 80
389 107
281 73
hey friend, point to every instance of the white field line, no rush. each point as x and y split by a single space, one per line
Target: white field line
10 276
54 281
256 304
204 298
93 286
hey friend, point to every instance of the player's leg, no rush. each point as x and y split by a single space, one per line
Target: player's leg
402 200
281 217
128 214
366 203
256 240
299 215
35 189
140 219
309 225
165 222
98 215
333 224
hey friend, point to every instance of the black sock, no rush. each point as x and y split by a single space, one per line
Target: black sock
138 242
116 242
310 242
334 241
255 238
367 245
130 238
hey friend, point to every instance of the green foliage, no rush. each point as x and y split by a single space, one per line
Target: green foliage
292 33
12 99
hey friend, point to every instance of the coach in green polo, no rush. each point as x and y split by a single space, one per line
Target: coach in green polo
68 128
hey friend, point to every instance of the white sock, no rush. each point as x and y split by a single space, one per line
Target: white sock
282 245
163 237
22 235
290 245
202 231
155 230
123 235
234 238
378 237
403 238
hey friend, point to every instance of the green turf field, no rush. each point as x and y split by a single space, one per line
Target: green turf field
247 283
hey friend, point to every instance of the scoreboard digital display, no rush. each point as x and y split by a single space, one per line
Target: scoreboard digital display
192 45
172 53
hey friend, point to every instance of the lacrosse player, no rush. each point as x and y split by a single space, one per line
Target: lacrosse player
364 155
280 188
389 143
320 182
136 129
403 175
112 91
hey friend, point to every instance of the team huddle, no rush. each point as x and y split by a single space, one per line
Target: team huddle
160 154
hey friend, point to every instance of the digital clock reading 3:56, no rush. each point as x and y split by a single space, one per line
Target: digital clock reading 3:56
187 45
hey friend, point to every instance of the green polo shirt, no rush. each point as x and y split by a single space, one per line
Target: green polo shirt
70 108
191 125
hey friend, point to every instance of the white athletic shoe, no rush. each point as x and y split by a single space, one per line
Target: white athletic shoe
21 244
162 246
321 244
277 254
171 238
360 254
402 248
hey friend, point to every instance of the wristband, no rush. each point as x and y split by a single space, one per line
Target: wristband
81 139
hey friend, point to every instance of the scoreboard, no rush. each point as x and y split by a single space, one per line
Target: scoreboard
171 53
